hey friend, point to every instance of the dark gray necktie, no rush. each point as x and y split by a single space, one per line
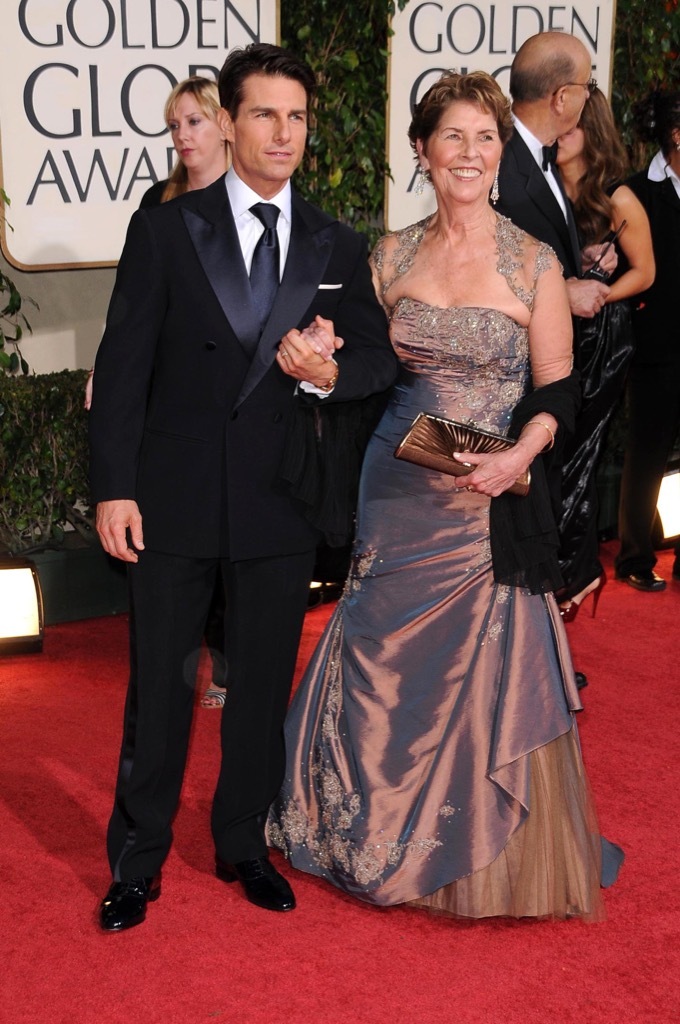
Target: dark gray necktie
264 270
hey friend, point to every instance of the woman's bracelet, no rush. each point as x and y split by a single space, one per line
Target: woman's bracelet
545 426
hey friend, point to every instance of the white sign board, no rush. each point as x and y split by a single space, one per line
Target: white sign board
83 84
430 38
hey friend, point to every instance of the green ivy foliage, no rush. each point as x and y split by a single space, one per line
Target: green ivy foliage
13 320
646 57
346 47
43 459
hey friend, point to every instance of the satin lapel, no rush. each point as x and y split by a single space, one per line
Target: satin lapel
543 197
213 233
311 243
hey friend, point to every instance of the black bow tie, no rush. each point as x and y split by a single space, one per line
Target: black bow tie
549 156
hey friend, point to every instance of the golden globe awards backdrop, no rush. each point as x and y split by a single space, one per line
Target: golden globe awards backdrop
83 84
430 38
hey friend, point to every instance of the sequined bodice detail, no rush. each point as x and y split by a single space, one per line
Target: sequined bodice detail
478 355
474 360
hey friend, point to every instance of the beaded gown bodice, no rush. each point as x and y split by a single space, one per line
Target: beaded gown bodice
472 360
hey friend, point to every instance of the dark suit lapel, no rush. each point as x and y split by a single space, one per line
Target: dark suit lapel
311 244
213 233
542 196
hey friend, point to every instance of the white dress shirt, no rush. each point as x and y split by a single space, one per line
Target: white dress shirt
250 228
659 169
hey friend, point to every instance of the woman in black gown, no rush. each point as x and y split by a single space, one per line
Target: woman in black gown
593 163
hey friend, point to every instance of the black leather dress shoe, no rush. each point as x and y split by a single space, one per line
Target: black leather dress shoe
124 905
261 882
581 680
646 579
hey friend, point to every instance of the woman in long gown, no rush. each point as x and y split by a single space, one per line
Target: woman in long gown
593 164
432 753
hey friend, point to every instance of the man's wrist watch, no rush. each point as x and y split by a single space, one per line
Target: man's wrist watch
329 385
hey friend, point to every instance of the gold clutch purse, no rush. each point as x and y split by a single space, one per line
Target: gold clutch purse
431 441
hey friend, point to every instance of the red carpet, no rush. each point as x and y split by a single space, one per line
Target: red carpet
205 955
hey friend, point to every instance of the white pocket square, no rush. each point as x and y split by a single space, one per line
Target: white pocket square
329 286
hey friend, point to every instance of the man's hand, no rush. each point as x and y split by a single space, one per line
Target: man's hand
586 298
307 355
113 520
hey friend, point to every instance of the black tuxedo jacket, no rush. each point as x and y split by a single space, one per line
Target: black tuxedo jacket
655 319
190 411
527 199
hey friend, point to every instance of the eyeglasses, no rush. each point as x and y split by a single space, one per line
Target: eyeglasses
589 87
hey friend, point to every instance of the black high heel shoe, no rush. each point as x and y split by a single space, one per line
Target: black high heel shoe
570 611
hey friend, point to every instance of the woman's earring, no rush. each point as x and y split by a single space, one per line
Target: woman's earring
495 194
419 186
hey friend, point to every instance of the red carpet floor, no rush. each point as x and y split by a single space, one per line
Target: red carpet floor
206 955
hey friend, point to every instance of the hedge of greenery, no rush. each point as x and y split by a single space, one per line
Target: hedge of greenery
43 459
646 57
346 47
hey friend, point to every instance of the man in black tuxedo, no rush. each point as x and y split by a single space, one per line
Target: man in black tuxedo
232 305
549 82
654 376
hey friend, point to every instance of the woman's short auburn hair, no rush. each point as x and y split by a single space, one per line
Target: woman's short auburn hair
476 87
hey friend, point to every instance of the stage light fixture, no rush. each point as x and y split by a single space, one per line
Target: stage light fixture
21 607
668 503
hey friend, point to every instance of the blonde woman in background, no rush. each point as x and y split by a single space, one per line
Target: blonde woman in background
191 114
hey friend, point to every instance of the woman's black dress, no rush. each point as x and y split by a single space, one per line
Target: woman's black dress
603 349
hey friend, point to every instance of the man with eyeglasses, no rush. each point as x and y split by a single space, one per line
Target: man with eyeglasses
550 83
